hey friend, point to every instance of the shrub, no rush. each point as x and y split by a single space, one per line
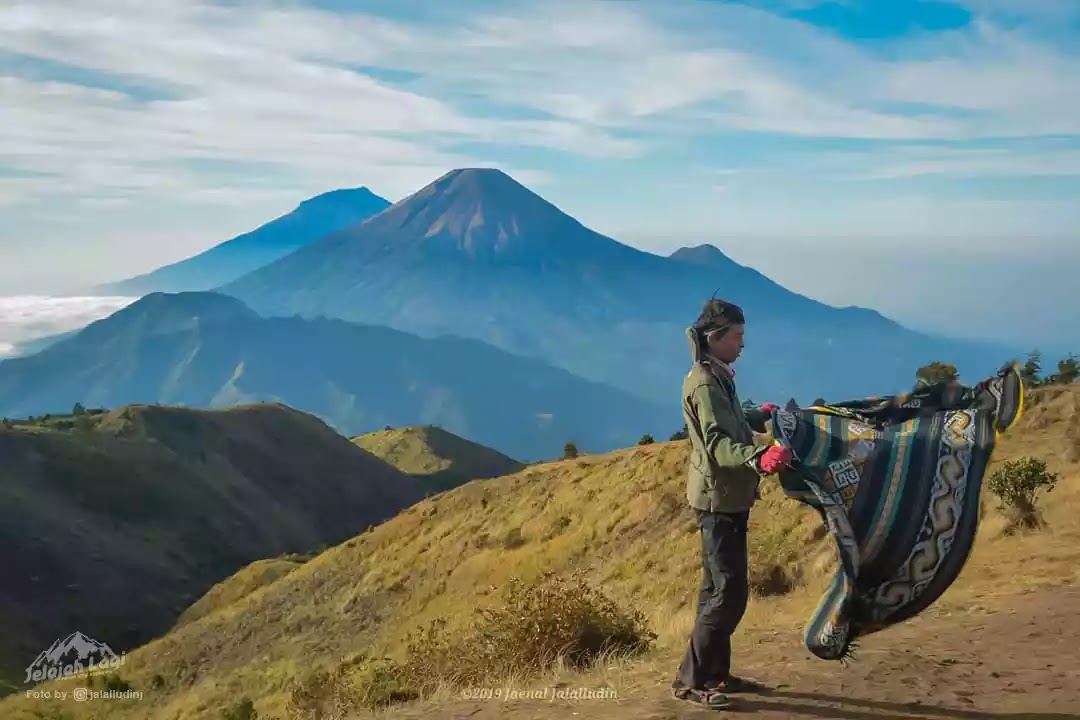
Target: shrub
681 434
114 682
242 709
513 539
533 627
536 625
645 440
1017 484
937 372
1068 370
570 451
324 695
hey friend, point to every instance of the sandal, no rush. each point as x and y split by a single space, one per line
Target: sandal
736 684
711 698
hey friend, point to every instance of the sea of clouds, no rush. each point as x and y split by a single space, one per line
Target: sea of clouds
28 317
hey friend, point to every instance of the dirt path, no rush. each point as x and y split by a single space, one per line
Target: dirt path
1020 660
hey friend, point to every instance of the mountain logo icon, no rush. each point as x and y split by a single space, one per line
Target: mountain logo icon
75 655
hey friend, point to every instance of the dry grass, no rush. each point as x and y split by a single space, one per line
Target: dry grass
619 519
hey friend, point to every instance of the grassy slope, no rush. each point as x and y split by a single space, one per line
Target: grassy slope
235 587
621 515
117 524
441 459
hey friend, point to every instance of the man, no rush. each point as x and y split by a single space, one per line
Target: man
722 484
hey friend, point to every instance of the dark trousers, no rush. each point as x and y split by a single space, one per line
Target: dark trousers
725 589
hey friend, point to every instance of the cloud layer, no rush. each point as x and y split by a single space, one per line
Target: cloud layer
30 317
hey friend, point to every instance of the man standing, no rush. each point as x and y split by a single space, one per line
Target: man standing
722 484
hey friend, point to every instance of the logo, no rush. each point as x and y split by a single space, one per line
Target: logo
73 656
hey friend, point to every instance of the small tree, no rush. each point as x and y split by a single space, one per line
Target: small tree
645 440
78 409
570 451
1017 483
681 434
1068 370
1032 368
937 372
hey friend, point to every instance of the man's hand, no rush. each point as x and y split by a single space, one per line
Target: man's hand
776 457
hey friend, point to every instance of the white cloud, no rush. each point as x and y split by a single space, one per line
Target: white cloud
1030 10
27 317
975 162
1013 85
258 82
282 86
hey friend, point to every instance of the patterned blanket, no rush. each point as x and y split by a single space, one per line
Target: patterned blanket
897 480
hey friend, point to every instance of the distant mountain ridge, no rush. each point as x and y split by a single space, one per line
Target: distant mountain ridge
112 523
209 350
312 219
440 459
478 255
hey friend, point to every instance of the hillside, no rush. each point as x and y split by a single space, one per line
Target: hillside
477 254
113 523
209 350
620 518
441 459
233 258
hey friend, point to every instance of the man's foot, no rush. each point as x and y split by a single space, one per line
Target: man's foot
736 684
709 697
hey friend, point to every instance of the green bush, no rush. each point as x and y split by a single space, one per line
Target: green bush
114 682
681 434
242 709
570 451
1068 370
1017 483
937 372
645 440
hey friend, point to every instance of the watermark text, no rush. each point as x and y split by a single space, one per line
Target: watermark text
550 694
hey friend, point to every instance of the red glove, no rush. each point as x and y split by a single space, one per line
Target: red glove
776 457
767 409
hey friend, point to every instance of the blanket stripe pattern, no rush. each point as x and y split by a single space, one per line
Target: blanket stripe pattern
897 480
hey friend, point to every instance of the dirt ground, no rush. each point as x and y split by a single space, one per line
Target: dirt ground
1020 659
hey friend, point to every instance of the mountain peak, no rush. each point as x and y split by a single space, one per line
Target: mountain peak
160 313
483 213
488 186
344 196
189 303
708 255
310 220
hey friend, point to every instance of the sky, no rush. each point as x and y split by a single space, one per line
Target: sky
906 155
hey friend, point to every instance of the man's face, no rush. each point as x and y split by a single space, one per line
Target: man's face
728 345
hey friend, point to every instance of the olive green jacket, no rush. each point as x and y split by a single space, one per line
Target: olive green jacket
722 474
